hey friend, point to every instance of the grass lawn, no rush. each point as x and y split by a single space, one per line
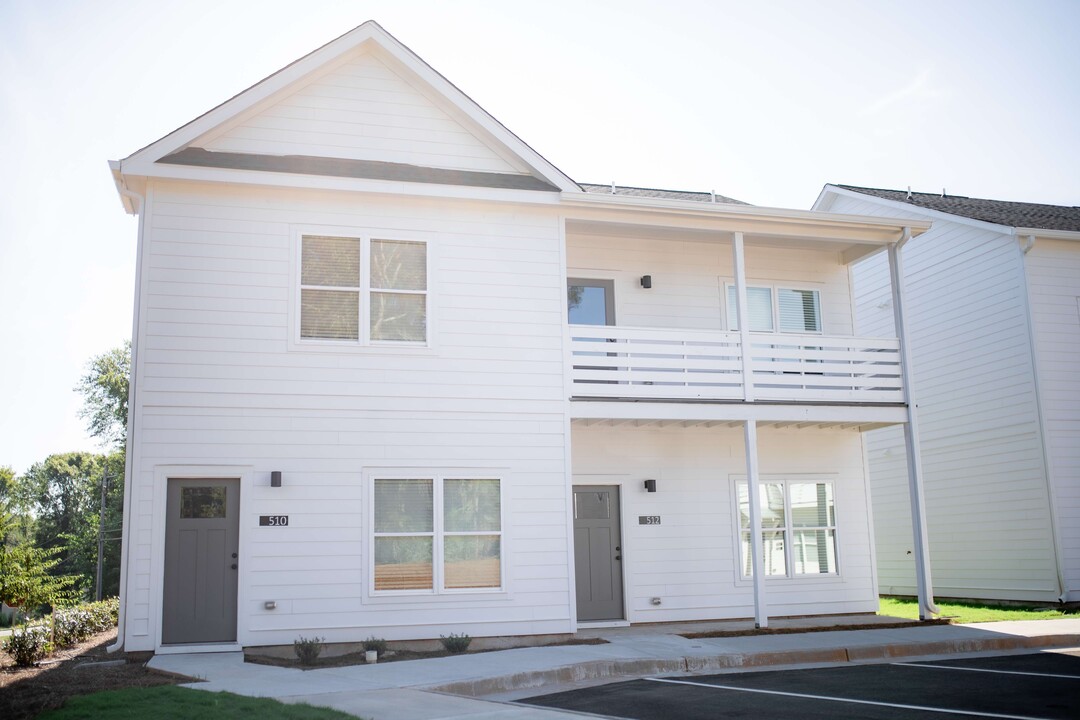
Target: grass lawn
169 702
962 612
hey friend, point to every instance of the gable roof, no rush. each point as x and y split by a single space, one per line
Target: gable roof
998 212
178 151
706 197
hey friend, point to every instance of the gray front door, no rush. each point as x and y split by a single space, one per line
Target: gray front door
201 561
598 552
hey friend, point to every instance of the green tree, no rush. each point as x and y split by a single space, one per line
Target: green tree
104 388
58 494
27 578
7 477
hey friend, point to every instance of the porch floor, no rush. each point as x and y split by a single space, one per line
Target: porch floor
810 622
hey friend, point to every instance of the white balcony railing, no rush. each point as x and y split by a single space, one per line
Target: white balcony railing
658 363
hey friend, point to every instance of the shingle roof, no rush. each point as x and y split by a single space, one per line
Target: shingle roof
1000 212
663 194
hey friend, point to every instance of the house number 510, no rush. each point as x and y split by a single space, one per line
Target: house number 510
273 520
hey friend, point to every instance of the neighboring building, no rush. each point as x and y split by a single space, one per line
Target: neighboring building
358 407
993 298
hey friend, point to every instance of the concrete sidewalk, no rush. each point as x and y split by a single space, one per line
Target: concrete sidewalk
479 685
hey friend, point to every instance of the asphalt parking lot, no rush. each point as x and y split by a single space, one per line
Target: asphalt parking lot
1039 686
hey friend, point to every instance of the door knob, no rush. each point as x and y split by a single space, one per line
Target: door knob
234 556
234 566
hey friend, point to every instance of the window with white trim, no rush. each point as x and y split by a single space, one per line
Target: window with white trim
380 300
790 310
436 534
798 528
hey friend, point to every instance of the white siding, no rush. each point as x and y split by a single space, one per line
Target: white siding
689 278
1053 273
218 384
986 496
690 561
365 110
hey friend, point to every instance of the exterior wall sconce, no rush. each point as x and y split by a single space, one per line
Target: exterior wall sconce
646 281
650 486
270 605
275 478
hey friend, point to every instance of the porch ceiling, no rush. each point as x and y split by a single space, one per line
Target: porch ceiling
626 422
712 414
850 249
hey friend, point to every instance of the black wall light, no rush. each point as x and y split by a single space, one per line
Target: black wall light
275 478
646 281
650 486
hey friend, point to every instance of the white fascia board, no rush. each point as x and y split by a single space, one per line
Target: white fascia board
327 182
472 110
736 412
1047 234
317 61
812 223
932 214
257 93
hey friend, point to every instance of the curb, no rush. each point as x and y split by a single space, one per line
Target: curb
627 669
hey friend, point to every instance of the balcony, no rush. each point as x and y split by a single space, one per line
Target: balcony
657 364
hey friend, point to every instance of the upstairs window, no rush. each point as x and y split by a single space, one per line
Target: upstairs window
368 291
792 311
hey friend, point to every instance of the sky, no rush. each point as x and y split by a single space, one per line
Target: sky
763 101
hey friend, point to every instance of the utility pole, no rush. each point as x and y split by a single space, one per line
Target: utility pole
101 538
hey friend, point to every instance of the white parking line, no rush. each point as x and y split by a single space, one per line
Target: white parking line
923 708
987 670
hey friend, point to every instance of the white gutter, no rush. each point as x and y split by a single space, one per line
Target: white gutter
1025 247
1032 233
923 581
136 203
694 207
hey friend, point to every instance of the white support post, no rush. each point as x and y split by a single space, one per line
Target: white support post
742 312
911 439
757 551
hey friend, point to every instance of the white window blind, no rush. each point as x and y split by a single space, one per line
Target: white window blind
800 310
758 305
330 288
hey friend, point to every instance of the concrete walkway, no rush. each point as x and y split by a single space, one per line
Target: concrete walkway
481 685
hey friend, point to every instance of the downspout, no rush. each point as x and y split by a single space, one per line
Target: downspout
923 582
138 203
1025 248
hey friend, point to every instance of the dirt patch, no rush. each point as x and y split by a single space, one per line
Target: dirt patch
357 658
793 631
81 670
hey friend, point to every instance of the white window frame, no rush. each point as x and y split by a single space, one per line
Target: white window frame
364 291
774 293
789 528
438 533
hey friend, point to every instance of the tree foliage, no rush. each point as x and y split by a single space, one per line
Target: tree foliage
104 388
60 497
28 575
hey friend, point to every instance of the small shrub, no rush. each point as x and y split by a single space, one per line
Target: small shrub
455 643
70 626
28 645
376 644
308 649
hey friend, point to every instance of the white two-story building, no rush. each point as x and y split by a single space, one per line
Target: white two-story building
394 374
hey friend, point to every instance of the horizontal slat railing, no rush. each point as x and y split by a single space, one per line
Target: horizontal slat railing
659 363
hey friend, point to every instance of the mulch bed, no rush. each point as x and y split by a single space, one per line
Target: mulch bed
81 670
357 658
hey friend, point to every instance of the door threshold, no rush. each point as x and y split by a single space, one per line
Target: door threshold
599 624
193 648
